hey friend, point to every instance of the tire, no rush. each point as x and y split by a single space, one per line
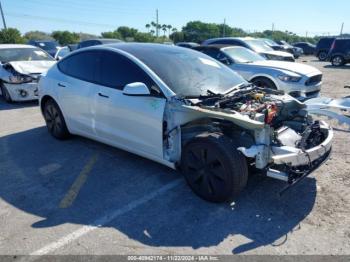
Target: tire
54 119
322 56
5 94
338 60
214 169
264 82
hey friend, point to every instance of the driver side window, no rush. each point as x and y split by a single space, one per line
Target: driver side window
116 71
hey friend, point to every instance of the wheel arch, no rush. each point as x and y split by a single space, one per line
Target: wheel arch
264 76
44 100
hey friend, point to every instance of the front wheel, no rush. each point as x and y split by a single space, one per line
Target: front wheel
322 56
337 60
214 169
264 83
54 119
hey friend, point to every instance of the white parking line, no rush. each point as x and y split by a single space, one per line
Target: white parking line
103 220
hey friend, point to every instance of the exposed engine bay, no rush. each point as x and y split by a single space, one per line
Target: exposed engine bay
273 130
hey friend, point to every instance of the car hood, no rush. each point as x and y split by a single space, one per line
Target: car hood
31 67
290 66
278 53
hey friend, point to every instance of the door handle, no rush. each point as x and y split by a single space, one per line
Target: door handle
102 95
61 85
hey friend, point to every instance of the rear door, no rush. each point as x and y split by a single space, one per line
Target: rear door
76 88
134 123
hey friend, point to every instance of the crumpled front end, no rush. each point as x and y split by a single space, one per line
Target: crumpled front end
23 92
282 139
20 85
290 155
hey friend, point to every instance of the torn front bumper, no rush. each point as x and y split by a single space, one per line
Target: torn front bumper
294 157
291 164
23 92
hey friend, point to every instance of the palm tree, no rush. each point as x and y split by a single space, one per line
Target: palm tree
158 28
174 30
164 28
148 26
169 28
152 32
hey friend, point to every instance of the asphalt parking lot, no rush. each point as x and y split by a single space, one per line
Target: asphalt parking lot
82 197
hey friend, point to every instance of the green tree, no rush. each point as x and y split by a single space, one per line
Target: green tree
197 31
144 37
148 26
65 37
164 28
86 36
169 28
127 32
11 36
112 34
37 35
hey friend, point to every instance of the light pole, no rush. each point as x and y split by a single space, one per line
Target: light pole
3 17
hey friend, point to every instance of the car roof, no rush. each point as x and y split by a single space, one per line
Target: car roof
342 39
129 47
216 46
103 40
7 46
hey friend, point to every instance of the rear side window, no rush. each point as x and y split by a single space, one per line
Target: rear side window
82 66
116 71
342 45
211 52
325 43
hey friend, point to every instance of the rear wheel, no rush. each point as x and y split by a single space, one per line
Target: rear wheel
5 94
337 60
214 169
54 119
322 55
264 82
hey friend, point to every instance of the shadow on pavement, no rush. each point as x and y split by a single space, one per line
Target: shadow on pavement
37 171
15 105
337 67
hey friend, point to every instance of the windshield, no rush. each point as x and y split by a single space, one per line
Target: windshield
186 72
23 54
242 55
63 52
258 45
270 42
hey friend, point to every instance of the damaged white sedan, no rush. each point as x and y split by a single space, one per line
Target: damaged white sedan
185 110
20 70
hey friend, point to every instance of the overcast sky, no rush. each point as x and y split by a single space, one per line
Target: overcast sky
95 16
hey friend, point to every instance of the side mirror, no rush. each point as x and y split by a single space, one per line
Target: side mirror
136 89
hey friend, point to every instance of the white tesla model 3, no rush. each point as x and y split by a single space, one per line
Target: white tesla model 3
185 110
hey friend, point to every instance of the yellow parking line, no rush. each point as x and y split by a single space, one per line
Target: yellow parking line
73 192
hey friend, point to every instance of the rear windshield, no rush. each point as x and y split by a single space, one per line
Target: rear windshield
23 54
47 45
258 45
